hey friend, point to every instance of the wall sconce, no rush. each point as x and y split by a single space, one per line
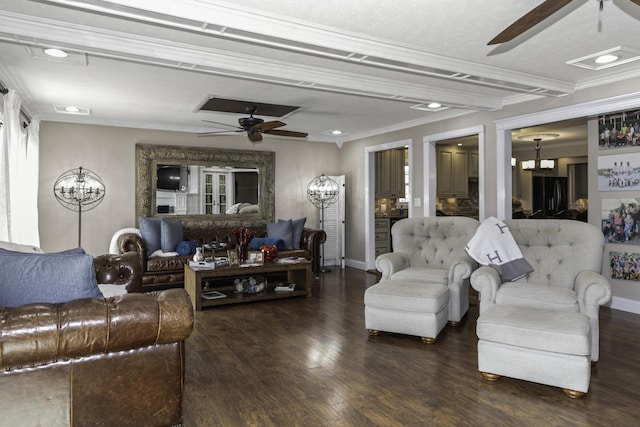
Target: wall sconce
513 161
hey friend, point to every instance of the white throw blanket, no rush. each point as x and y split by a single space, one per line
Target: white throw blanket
493 245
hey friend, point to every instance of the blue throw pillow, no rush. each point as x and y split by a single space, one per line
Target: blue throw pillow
150 233
46 278
170 234
298 226
256 242
281 230
74 251
186 247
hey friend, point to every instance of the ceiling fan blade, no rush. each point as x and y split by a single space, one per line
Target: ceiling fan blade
222 132
534 17
254 136
224 124
267 126
287 133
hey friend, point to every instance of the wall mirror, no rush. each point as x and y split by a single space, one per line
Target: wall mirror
205 187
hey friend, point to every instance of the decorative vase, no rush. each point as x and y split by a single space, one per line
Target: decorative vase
269 252
243 252
243 235
198 256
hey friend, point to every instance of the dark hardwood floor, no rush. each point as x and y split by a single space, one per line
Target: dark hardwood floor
310 362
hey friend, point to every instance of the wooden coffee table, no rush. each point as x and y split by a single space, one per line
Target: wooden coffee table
221 280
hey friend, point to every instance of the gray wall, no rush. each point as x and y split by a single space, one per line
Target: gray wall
109 151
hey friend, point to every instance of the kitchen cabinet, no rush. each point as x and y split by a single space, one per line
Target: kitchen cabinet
474 162
389 180
452 172
383 236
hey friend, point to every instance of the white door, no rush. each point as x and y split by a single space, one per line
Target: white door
334 227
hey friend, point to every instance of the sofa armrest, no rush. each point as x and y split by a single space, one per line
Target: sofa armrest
391 263
593 291
123 270
459 270
44 333
131 242
486 280
311 241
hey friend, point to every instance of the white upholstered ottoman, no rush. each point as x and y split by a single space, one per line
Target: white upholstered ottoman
542 346
411 308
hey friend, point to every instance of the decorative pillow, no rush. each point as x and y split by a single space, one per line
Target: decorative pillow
186 247
281 230
49 278
150 233
170 234
256 242
298 226
17 247
74 251
233 209
249 209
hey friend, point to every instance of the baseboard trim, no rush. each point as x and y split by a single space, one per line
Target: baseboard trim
625 304
360 265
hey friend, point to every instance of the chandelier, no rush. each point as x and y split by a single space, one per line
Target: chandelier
539 165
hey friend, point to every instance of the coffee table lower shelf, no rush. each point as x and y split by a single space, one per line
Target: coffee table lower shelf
220 279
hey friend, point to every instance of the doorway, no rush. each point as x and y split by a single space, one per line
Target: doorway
370 199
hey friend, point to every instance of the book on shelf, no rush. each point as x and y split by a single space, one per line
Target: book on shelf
291 260
284 287
213 295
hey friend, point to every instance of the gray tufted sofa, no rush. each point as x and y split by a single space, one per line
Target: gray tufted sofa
431 250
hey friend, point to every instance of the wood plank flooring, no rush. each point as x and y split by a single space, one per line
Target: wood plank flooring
310 362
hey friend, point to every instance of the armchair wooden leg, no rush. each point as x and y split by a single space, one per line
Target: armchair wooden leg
454 323
428 340
490 377
573 394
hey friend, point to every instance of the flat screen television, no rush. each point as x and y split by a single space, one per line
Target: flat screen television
168 177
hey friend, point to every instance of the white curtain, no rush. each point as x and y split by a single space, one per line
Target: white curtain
19 165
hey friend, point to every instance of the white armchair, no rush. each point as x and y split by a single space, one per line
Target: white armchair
431 250
567 260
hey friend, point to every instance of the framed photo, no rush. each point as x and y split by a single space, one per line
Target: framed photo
233 257
619 172
619 130
255 257
620 220
625 265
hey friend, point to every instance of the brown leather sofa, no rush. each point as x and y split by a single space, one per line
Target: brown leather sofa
166 272
115 361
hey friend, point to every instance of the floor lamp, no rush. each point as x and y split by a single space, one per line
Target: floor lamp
77 190
322 191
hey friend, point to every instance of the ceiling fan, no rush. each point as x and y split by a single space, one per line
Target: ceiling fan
533 18
255 127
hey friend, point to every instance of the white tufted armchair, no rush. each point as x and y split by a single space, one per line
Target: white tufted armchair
567 259
431 250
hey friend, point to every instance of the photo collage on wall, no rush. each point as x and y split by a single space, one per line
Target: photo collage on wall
620 216
619 130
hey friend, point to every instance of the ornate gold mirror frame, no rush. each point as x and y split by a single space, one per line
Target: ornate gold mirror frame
149 156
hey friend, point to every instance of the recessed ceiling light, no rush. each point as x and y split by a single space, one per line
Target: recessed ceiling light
605 59
336 132
56 53
602 60
434 105
72 109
